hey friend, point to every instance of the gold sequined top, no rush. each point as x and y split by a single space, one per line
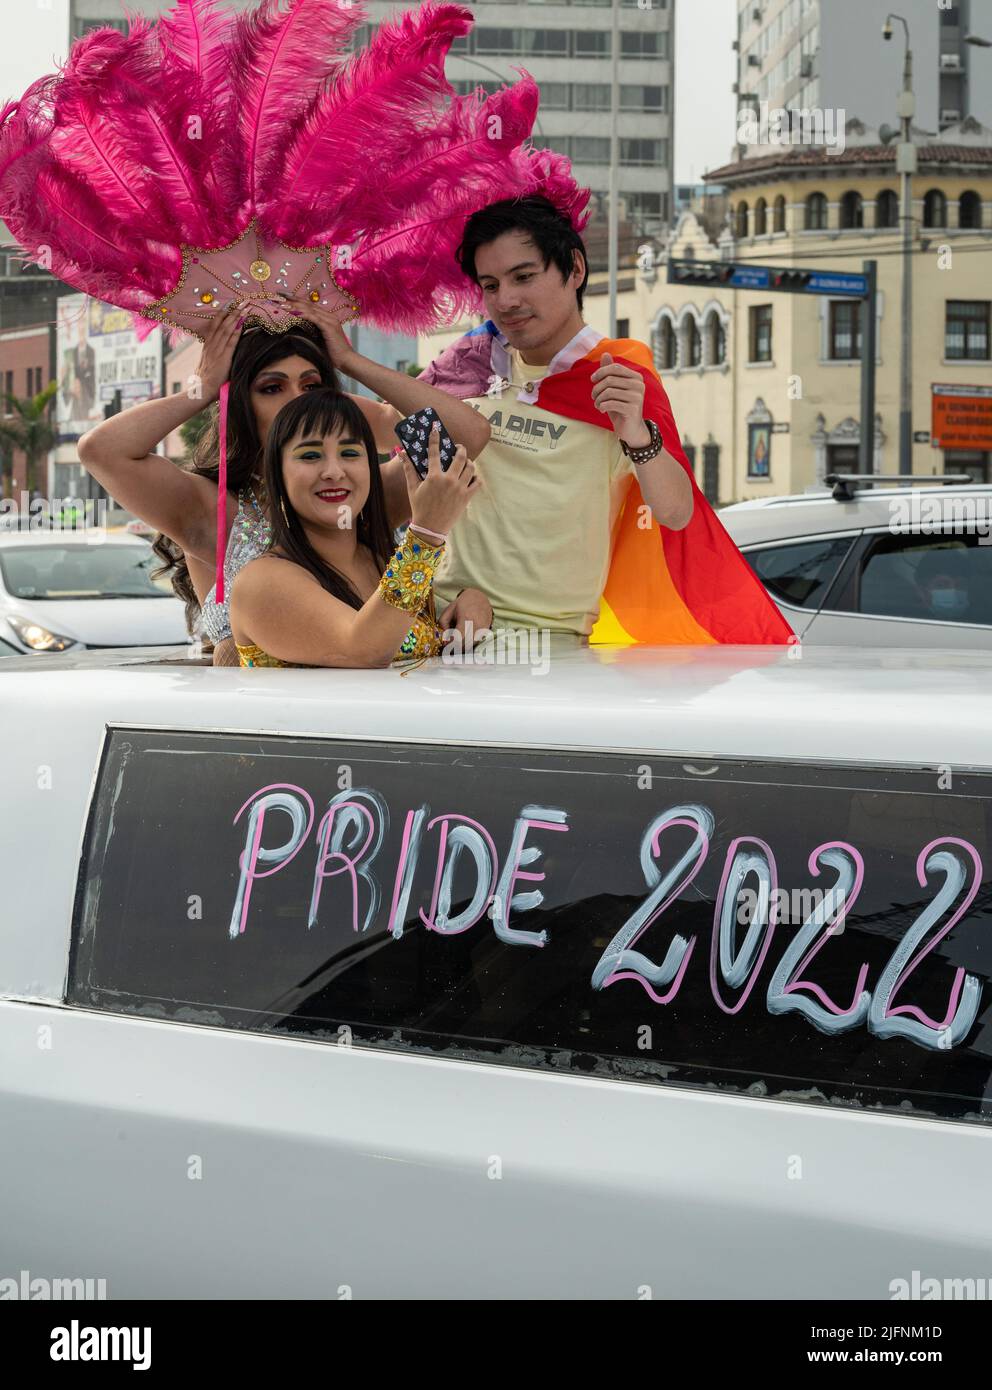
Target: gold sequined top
407 583
422 641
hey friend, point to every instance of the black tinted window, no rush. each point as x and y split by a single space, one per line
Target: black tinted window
643 919
943 578
800 573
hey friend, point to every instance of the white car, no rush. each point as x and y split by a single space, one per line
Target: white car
881 566
70 590
648 974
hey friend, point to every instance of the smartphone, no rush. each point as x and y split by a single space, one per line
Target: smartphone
414 434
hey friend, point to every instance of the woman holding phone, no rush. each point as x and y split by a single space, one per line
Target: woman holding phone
266 370
333 589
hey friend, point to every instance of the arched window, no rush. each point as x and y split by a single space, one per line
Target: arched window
816 212
970 211
692 342
740 221
935 209
779 224
761 218
715 336
887 209
665 348
852 211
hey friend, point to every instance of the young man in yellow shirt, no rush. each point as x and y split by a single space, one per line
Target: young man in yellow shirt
537 538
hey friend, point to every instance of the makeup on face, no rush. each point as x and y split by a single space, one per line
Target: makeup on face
324 475
277 385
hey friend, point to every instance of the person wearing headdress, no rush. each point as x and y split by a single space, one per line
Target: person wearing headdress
206 170
207 162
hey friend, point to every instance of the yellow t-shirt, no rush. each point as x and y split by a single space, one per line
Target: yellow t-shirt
536 539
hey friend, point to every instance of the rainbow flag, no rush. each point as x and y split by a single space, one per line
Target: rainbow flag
664 587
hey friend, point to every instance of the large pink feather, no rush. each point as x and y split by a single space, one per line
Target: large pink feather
386 94
194 39
150 110
279 58
194 35
461 159
87 141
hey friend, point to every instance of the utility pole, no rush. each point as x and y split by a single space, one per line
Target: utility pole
906 168
866 460
614 164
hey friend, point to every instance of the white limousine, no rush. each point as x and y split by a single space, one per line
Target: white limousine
650 974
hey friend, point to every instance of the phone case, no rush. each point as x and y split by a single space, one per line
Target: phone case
414 435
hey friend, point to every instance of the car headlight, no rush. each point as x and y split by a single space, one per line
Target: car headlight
38 638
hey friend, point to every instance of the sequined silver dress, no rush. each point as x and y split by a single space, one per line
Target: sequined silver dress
249 538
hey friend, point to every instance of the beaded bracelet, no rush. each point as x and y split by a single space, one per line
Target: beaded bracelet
410 574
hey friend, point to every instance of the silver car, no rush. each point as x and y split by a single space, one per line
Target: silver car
903 566
70 590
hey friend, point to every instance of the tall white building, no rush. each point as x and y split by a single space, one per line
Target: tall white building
566 46
830 54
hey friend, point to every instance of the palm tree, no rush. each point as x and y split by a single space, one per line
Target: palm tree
30 431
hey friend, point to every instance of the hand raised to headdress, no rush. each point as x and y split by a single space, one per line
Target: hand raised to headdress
219 343
330 321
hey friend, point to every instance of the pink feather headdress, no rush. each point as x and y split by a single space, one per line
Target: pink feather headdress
209 156
205 129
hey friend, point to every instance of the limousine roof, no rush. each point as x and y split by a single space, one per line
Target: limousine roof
912 707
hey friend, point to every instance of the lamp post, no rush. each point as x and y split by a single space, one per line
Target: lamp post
906 167
613 244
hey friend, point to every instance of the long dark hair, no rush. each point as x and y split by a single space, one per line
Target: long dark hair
318 414
256 350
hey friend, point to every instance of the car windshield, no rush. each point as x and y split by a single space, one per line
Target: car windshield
105 571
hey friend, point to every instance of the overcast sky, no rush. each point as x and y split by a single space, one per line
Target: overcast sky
704 104
705 71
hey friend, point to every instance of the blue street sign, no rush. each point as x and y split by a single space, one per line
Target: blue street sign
834 283
751 277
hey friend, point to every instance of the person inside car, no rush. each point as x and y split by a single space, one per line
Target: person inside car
332 590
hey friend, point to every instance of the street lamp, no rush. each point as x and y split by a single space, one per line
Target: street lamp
977 42
906 167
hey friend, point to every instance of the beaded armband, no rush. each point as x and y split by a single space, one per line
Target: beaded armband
409 575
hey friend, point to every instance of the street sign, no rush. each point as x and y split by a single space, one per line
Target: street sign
962 417
921 437
747 277
781 428
832 283
741 275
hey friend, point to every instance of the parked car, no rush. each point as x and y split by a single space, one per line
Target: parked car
66 590
905 565
329 984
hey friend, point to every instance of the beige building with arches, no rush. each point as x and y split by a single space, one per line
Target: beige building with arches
766 386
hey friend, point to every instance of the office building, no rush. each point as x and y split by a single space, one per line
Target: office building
830 54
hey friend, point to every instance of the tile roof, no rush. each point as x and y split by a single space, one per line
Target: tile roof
817 157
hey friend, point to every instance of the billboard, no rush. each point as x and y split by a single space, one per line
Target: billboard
98 355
